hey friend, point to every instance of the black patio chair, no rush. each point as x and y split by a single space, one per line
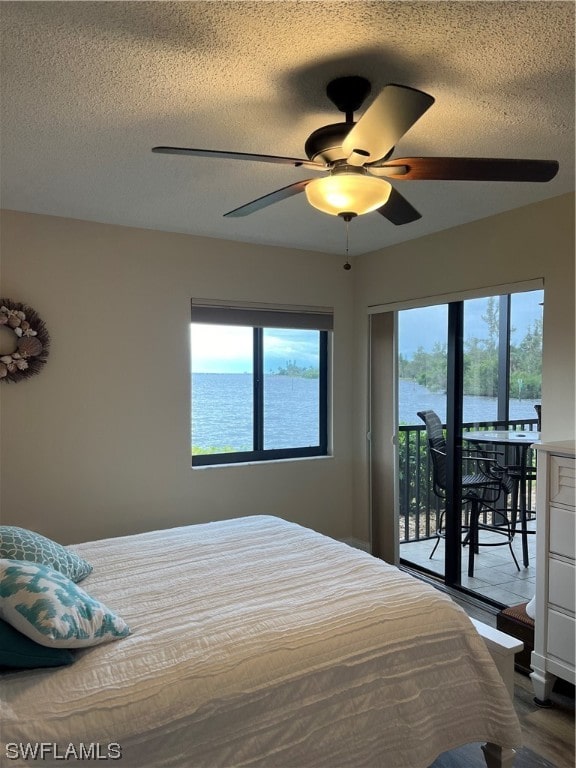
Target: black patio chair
538 409
481 490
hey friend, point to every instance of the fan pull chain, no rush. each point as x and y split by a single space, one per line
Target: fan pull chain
347 218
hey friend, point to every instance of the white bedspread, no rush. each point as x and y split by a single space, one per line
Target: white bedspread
257 642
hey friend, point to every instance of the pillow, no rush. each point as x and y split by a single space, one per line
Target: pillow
19 652
21 544
50 609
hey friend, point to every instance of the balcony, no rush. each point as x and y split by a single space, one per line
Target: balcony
495 576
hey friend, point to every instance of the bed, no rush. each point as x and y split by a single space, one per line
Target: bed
258 642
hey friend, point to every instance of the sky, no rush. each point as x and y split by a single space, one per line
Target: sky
226 349
427 326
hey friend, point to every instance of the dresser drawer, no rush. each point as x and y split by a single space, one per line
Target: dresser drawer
561 636
563 480
561 586
562 531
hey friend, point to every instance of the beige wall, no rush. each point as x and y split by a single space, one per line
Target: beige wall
536 241
98 443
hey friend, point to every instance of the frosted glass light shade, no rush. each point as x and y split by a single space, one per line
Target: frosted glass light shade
348 193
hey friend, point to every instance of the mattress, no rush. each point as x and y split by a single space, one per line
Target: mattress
258 642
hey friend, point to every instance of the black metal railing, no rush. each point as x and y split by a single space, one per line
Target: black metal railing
420 508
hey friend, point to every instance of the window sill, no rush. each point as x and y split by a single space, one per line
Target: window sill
263 462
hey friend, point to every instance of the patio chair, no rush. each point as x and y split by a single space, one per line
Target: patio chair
481 490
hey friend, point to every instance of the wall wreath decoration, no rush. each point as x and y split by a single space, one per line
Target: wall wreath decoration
31 341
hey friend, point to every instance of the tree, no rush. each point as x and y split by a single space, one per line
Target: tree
292 369
481 362
526 364
492 320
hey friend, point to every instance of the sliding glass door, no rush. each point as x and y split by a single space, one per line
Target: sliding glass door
477 365
422 367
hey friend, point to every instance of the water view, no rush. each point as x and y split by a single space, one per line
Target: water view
222 409
414 397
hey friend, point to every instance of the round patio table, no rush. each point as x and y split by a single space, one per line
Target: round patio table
520 441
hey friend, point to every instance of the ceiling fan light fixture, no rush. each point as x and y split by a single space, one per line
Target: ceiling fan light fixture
348 192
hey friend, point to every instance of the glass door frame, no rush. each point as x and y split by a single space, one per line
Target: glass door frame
382 431
454 405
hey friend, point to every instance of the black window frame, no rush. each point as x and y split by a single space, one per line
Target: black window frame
259 453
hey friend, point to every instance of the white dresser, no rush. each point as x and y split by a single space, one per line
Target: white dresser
554 637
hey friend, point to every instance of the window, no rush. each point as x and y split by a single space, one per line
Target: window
259 382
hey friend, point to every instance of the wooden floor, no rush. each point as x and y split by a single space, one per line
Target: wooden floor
548 732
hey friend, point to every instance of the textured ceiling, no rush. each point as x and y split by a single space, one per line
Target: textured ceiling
88 89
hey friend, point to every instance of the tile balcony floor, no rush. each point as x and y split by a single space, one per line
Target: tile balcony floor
495 575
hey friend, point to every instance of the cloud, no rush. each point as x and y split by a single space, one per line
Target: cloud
282 345
426 326
220 349
228 349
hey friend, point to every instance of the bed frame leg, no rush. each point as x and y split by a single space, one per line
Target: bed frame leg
498 757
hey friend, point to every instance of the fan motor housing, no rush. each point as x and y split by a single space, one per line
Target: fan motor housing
325 144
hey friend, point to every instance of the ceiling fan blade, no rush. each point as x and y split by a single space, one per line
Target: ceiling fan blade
469 169
386 120
270 199
398 210
294 161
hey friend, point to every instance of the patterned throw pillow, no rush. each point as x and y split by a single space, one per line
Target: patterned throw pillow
21 544
51 610
19 652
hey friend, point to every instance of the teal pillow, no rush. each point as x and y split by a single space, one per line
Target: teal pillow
22 544
52 610
19 652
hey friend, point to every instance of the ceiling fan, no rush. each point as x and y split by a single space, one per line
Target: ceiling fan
357 157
